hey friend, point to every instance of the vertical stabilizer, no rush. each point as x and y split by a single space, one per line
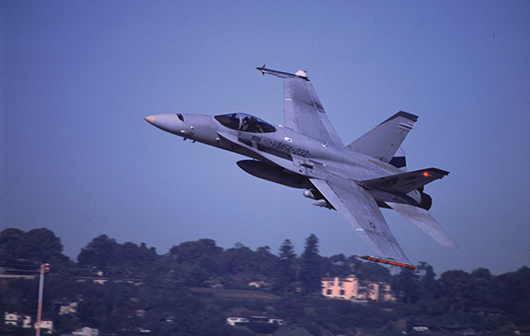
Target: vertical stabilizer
399 160
383 141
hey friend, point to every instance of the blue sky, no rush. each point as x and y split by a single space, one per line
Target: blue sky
77 79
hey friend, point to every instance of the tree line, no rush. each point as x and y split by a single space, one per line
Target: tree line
166 303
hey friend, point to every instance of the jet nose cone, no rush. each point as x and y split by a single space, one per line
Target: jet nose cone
166 122
150 119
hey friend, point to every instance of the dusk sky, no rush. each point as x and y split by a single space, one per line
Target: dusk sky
78 158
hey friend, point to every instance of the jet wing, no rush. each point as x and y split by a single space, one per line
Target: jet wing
359 209
425 222
304 113
405 182
302 110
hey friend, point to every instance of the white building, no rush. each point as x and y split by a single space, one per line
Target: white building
68 308
258 284
17 320
233 321
86 331
46 326
351 288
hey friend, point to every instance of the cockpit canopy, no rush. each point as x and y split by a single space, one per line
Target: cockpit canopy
245 122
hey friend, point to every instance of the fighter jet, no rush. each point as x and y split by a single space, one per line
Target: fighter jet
306 152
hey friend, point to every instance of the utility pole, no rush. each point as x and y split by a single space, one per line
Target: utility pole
43 268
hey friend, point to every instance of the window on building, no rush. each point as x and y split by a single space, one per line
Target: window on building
342 292
329 292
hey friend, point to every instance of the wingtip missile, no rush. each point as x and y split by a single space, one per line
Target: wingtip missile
262 69
299 74
388 262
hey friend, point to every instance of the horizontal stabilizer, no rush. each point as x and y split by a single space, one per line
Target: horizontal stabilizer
405 182
383 141
425 222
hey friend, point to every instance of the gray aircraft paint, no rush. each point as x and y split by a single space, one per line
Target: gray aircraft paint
307 153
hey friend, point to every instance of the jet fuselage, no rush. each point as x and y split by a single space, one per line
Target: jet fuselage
283 147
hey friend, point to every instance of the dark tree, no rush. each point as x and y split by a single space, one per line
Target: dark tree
191 252
98 252
285 275
267 262
10 242
458 286
310 266
483 291
196 261
340 266
40 245
430 289
132 259
513 294
287 253
238 262
482 273
407 283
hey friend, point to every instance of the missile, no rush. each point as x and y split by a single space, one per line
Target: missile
389 262
299 74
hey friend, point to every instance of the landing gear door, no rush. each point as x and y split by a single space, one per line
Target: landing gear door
302 164
309 167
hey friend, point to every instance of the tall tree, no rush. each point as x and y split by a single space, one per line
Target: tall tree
286 271
407 282
41 245
430 289
459 287
512 294
310 261
287 253
484 290
133 259
10 241
339 266
268 262
239 261
191 252
98 252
